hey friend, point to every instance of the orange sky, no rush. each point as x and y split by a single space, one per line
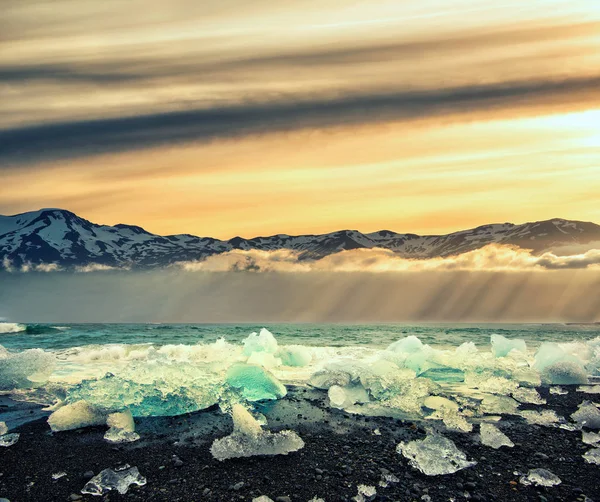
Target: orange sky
227 119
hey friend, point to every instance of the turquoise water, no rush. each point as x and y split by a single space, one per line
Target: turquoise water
53 337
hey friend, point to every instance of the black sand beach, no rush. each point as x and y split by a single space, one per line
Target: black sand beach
341 452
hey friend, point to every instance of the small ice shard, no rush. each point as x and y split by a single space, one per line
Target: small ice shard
365 493
544 417
558 391
540 477
7 440
502 346
492 436
76 415
434 455
388 479
122 428
262 498
249 439
254 382
590 437
587 415
119 479
592 456
589 389
3 428
531 396
452 419
58 475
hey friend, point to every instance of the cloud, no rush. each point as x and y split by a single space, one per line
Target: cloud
27 267
493 257
82 138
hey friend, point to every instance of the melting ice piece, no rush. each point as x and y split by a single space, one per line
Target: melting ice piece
342 397
325 379
9 439
122 428
558 391
589 389
559 367
544 417
58 475
492 436
434 455
524 395
255 382
119 479
590 437
540 477
388 479
592 456
587 415
499 405
365 493
502 346
249 439
3 428
76 415
26 369
262 498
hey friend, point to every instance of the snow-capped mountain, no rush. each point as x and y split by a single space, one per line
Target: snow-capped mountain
57 236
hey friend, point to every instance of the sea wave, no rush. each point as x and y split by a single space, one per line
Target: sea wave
12 327
31 329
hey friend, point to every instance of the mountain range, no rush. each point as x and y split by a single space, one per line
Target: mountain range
57 236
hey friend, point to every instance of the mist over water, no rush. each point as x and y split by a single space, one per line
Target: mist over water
233 297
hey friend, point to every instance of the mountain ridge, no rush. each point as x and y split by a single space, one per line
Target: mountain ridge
61 237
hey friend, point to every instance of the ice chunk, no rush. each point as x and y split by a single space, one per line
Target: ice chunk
76 415
7 440
524 395
589 389
264 359
342 397
119 479
487 382
254 382
540 477
122 428
587 415
388 479
592 456
559 367
544 417
3 428
26 369
502 346
262 498
365 493
324 379
411 353
58 475
434 455
295 355
558 391
261 342
590 437
452 419
491 436
249 439
503 405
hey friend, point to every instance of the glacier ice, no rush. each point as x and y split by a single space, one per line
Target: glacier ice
592 456
587 415
365 493
434 455
260 342
118 479
26 369
558 366
590 437
254 382
76 415
3 428
249 439
501 346
491 436
9 439
540 477
121 428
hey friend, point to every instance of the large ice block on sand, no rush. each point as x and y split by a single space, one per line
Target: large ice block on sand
557 366
254 382
119 479
502 346
587 415
260 342
491 436
434 455
26 369
540 477
249 439
121 428
411 353
76 415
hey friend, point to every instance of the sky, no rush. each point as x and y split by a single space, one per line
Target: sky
227 118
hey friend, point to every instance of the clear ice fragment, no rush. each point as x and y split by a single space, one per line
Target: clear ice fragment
587 415
58 475
119 479
7 440
590 437
365 493
525 395
558 391
540 477
502 346
544 417
558 366
592 456
254 382
121 428
249 439
434 455
492 436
